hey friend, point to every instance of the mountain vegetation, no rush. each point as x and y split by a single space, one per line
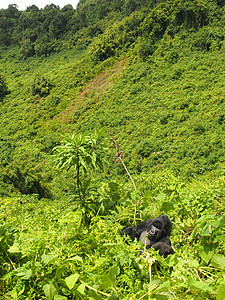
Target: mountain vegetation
111 113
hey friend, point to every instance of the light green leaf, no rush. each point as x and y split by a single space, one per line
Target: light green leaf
13 294
81 288
206 230
199 285
28 274
218 261
194 264
83 164
109 279
106 282
22 290
220 222
49 290
206 252
162 287
59 297
162 296
71 280
14 248
78 258
20 274
221 292
161 197
46 258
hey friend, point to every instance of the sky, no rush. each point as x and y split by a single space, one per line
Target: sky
22 4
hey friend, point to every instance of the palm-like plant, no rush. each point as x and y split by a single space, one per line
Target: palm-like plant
81 152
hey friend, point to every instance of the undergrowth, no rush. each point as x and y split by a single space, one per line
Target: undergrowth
47 253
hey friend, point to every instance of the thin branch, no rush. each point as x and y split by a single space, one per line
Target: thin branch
97 291
119 156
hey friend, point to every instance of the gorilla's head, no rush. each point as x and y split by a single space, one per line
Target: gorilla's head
159 228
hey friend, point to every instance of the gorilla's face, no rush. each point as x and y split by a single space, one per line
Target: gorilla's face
155 232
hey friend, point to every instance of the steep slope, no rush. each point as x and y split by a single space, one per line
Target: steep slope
165 105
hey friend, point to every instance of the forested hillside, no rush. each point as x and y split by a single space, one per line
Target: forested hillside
111 113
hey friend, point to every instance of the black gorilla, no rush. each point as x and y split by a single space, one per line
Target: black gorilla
153 233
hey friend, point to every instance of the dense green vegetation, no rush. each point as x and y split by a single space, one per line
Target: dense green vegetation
150 75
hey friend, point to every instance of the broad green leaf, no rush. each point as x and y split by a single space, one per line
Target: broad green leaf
114 296
162 296
221 292
13 294
113 185
20 274
81 288
206 230
14 248
71 280
109 279
46 258
49 290
106 282
59 297
113 272
162 287
199 285
206 252
78 258
194 263
24 273
27 274
218 261
167 206
220 222
161 197
22 290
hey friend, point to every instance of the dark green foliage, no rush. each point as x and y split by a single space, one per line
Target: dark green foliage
7 234
3 87
191 15
41 86
7 148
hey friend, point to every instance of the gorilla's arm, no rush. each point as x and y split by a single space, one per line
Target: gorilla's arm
143 226
164 249
135 232
166 240
144 239
148 243
131 232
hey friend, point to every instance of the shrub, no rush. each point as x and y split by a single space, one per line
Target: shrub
3 87
41 86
